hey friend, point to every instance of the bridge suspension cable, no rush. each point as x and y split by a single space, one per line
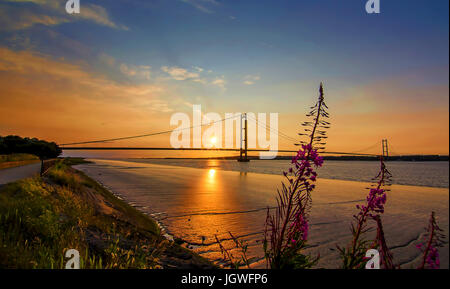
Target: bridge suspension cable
394 150
278 132
374 146
265 126
149 134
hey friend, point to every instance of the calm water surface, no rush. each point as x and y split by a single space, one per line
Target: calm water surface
427 174
199 199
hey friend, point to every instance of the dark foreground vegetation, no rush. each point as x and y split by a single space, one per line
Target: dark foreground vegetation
42 217
13 144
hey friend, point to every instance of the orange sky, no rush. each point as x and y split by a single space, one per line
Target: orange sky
62 101
117 70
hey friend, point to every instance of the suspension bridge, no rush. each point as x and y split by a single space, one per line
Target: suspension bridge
242 148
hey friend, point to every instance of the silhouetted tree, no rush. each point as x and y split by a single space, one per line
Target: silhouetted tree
15 144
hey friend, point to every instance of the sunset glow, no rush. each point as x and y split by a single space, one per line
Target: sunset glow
68 80
279 135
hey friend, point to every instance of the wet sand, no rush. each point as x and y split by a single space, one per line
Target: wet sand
196 204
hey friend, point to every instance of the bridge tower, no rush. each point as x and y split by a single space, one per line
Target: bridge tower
243 142
384 146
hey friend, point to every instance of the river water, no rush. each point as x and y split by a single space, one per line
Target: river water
427 174
197 200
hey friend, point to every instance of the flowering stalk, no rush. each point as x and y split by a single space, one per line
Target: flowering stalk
430 253
354 256
380 242
286 230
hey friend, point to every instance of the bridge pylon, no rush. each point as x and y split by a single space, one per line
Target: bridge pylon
244 139
384 147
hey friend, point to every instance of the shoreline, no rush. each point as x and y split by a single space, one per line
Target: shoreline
163 230
161 226
83 214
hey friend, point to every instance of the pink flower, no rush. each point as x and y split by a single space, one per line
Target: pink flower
300 226
433 258
375 203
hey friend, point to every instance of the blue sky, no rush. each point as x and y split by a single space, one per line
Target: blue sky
261 56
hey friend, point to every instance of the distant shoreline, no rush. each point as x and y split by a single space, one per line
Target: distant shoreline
357 170
412 158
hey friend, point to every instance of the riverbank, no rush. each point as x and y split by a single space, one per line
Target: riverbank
195 204
41 218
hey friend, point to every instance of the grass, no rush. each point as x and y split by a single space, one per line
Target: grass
15 160
17 157
41 218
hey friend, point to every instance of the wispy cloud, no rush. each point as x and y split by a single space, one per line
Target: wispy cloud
50 13
195 75
199 69
179 73
141 71
77 103
220 82
45 70
203 5
14 19
99 15
251 79
107 59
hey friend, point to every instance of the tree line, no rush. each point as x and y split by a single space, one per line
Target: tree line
12 144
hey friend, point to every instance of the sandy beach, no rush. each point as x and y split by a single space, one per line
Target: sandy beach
196 204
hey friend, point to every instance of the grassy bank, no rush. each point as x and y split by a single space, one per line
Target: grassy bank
15 160
41 218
